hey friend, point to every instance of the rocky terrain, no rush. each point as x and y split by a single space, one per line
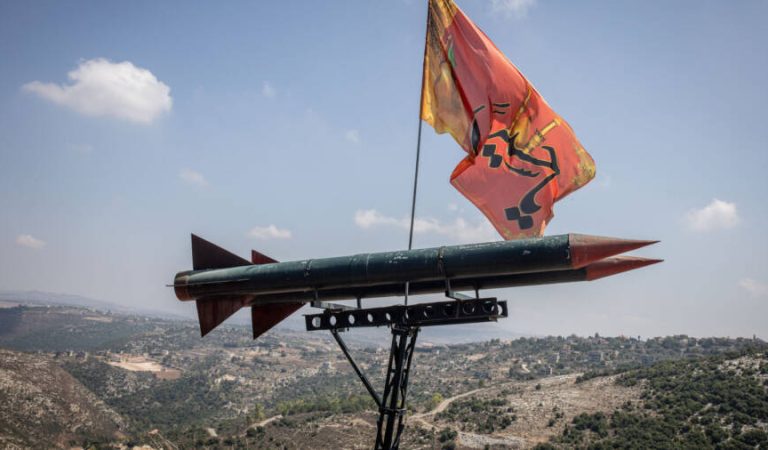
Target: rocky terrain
537 409
44 406
81 377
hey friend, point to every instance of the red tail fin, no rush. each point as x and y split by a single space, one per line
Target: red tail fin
264 317
260 258
206 255
212 311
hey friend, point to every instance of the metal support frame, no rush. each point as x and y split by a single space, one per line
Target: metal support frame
354 365
392 410
405 322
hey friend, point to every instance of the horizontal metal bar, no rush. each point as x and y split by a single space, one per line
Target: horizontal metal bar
422 314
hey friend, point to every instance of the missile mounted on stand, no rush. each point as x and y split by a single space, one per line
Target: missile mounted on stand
221 282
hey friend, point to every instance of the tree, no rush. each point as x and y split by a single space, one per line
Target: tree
436 399
258 412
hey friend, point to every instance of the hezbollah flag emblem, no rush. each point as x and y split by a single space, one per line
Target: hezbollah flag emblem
522 156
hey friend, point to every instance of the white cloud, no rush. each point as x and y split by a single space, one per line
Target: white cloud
754 287
368 218
193 177
716 215
27 240
512 8
269 232
352 136
100 87
267 90
459 229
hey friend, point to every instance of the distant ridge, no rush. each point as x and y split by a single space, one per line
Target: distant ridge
438 335
52 298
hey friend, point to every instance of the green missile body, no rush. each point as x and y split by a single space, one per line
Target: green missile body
221 283
600 269
553 253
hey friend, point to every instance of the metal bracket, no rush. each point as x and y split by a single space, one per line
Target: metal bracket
418 315
450 293
331 306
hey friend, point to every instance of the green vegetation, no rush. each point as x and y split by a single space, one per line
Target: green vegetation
335 405
447 438
190 399
436 399
595 373
57 329
230 382
151 403
480 415
717 402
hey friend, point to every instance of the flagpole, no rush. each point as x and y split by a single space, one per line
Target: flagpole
418 144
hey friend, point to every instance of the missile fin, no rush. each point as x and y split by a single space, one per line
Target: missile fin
588 249
212 311
261 258
206 255
618 264
264 317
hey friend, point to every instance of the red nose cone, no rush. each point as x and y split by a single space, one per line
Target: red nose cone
588 249
617 264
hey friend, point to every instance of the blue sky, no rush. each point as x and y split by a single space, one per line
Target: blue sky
291 127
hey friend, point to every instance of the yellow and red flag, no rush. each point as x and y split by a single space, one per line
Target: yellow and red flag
522 156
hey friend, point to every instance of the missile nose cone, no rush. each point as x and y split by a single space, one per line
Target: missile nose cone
617 264
588 249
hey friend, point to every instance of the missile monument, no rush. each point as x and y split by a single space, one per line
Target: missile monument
520 158
221 283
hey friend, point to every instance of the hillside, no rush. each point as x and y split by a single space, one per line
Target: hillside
64 328
292 389
44 406
717 402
